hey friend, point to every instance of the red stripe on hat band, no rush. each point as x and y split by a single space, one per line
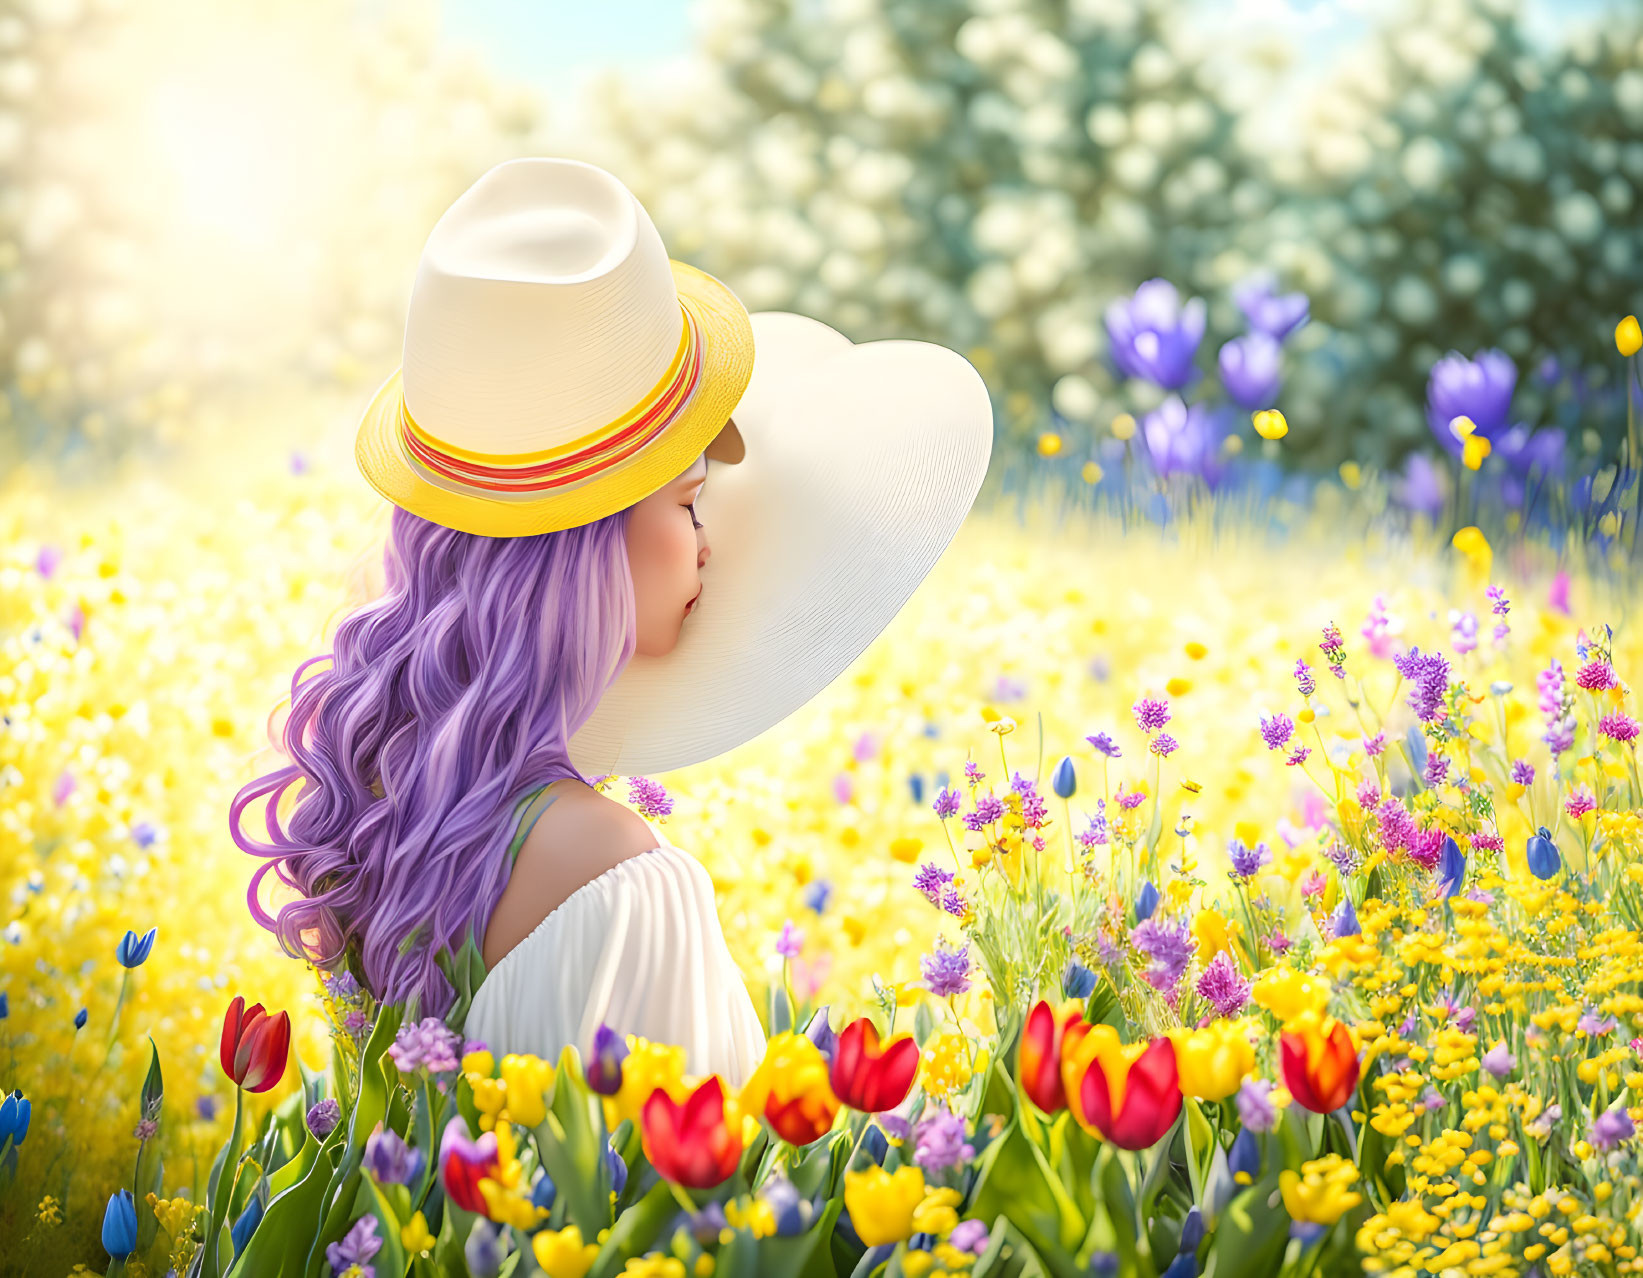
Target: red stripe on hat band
544 476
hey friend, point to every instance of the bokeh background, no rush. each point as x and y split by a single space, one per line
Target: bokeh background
209 222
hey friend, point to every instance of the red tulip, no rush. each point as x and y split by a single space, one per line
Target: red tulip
868 1077
254 1045
466 1163
698 1143
1320 1063
1046 1039
1128 1092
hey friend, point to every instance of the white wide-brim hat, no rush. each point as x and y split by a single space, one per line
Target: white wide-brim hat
559 367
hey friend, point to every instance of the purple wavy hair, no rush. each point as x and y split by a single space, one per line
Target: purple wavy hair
458 690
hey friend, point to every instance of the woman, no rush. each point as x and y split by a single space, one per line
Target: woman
558 444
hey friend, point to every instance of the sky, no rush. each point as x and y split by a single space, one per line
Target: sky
557 42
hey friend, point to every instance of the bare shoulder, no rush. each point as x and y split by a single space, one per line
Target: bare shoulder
578 837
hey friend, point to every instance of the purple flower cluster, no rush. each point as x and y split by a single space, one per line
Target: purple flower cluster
1618 726
1333 650
939 1142
1429 674
426 1044
946 971
1596 675
1613 1127
650 797
1163 745
1170 947
1499 605
1436 770
1523 772
1276 730
1465 632
972 774
1304 681
1223 986
989 808
931 881
1247 861
1096 831
324 1117
1034 811
1104 744
1151 714
1372 746
947 803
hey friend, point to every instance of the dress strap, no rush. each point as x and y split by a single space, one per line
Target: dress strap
534 806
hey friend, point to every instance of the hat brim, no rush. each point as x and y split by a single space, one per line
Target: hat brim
861 464
727 355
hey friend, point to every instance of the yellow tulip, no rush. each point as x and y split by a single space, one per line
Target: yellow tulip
1628 337
1212 1062
1270 424
414 1235
562 1253
1320 1194
881 1204
528 1079
1287 993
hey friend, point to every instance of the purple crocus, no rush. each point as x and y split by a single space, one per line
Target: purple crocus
946 970
1276 315
1479 388
1255 1108
790 942
604 1070
390 1160
1154 336
357 1247
1613 1127
1421 487
1250 372
1183 441
1498 1061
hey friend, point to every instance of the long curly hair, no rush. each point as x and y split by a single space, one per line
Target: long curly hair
445 701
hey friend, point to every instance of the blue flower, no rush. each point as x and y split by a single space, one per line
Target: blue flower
1543 857
133 953
618 1169
1153 336
1064 781
544 1192
120 1225
915 783
1077 981
1344 922
1244 1158
1249 371
390 1160
14 1118
817 894
1183 1266
247 1224
80 1019
875 1144
1146 901
1451 867
1192 1231
5 1006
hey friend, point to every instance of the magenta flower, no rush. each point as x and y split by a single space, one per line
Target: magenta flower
1276 730
1596 676
650 797
1151 714
790 942
1163 745
1223 986
1581 800
1618 726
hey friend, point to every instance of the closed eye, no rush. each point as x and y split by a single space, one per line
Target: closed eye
694 522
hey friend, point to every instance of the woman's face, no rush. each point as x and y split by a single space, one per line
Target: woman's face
667 546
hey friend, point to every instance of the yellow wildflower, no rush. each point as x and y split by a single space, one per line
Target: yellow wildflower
882 1204
562 1253
1321 1193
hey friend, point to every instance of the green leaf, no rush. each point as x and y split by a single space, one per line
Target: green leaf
1250 1237
391 1258
571 1140
924 1023
1015 1180
634 1232
281 1243
153 1083
778 1009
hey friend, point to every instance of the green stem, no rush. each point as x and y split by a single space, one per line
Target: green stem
220 1191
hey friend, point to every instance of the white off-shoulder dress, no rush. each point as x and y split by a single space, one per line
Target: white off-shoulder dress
638 948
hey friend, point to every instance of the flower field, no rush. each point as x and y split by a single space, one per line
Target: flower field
1146 900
